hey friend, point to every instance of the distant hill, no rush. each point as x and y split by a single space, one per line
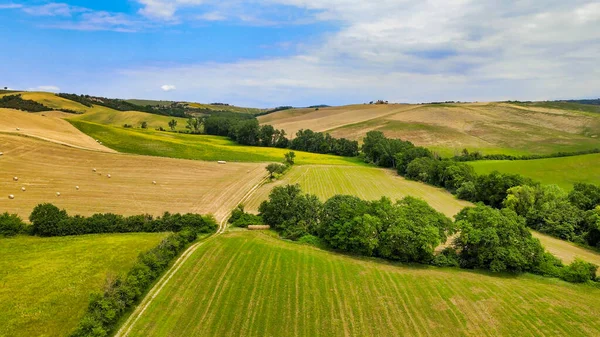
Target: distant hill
499 127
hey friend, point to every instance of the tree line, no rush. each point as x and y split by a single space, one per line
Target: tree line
49 220
175 109
465 155
409 230
248 131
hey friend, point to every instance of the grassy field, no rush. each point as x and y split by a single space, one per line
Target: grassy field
563 172
231 108
107 116
448 128
567 251
251 284
45 168
365 182
45 282
201 147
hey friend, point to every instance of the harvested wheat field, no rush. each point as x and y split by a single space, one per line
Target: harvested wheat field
45 168
251 284
48 126
448 128
364 182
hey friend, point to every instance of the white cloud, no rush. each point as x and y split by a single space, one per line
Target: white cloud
165 9
410 51
53 9
212 16
50 88
10 6
168 87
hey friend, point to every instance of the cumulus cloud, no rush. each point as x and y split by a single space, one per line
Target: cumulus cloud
168 87
50 88
411 51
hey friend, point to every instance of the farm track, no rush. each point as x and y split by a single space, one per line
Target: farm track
155 291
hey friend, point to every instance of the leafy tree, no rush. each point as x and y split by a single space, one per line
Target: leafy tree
266 135
591 227
11 224
467 191
290 212
497 240
455 175
491 189
345 225
173 124
585 196
410 230
275 168
289 158
45 219
406 157
579 271
194 124
422 169
144 125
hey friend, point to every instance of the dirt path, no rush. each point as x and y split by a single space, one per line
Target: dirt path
141 308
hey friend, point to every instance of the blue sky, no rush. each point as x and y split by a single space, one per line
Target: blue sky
304 52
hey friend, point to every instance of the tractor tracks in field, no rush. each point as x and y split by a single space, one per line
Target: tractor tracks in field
164 280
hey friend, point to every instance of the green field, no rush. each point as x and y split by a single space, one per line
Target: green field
251 284
107 116
563 172
365 182
201 147
45 283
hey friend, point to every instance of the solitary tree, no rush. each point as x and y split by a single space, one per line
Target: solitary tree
194 124
144 125
289 158
274 168
172 124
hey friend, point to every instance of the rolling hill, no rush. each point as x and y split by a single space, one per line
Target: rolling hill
448 128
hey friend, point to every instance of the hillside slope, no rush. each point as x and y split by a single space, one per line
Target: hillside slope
448 128
250 284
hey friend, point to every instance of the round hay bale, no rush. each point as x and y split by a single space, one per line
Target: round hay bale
16 178
154 182
108 175
10 196
94 170
18 129
77 188
1 153
23 189
58 194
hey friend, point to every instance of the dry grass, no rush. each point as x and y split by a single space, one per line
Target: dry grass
490 127
567 251
48 126
45 168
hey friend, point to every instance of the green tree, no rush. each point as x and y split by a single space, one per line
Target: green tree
585 196
11 224
194 124
45 219
275 168
289 158
172 124
497 240
144 125
290 212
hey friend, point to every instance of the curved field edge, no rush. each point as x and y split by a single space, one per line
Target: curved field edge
563 172
46 282
198 147
251 284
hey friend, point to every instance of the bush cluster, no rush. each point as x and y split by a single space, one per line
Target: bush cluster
239 218
11 225
409 230
49 220
18 103
121 294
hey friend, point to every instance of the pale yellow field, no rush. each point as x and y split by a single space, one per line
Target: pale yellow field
567 251
490 127
45 168
48 126
364 182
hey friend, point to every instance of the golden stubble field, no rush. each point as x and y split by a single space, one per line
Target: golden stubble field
491 127
44 168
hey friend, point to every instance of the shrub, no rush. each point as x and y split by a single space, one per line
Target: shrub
311 240
45 219
579 271
447 258
247 220
11 224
